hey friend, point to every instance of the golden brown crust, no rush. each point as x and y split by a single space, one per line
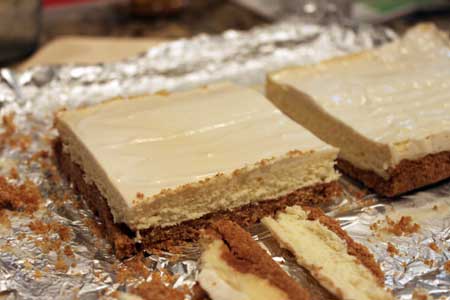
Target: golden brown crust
121 237
408 175
353 248
244 255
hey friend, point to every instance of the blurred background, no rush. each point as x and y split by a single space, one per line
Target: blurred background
36 32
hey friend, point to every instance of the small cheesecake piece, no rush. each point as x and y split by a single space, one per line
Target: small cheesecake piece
386 109
234 266
347 269
160 167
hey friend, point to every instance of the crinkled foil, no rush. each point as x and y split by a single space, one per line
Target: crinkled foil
243 57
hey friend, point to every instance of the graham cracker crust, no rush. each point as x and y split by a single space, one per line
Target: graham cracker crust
244 255
353 248
122 238
408 175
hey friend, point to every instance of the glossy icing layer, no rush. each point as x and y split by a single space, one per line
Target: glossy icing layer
162 159
395 98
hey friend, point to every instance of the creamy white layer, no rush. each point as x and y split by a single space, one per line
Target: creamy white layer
191 153
324 254
379 107
222 282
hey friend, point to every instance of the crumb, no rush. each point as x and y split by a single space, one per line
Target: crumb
428 262
374 226
93 227
39 155
73 265
13 173
27 265
60 265
447 266
435 207
140 195
434 247
37 274
68 251
132 268
420 294
392 250
64 232
4 219
39 227
403 227
21 236
24 197
156 290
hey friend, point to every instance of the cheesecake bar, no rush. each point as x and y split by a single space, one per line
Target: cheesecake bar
234 266
347 269
159 167
386 109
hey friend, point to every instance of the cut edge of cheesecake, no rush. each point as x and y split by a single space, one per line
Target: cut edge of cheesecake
322 247
369 161
234 266
124 240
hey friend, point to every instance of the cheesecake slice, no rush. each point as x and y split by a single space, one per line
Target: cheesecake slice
234 266
347 269
159 167
387 109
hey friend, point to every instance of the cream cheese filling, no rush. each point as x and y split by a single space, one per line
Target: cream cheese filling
324 254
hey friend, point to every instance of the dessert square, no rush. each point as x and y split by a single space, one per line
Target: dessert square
234 266
386 109
157 168
344 267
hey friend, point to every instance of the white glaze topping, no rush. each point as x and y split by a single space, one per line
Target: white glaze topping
397 95
153 143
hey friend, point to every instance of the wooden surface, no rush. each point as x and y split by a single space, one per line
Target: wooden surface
79 49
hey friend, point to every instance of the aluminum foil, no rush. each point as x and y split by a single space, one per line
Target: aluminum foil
243 57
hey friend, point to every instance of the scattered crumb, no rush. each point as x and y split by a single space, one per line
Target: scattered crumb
374 226
24 197
435 207
39 227
13 173
140 195
39 155
21 236
47 245
27 265
428 262
93 227
4 219
434 247
447 266
157 290
68 251
404 226
37 274
392 250
420 294
64 232
132 268
60 265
